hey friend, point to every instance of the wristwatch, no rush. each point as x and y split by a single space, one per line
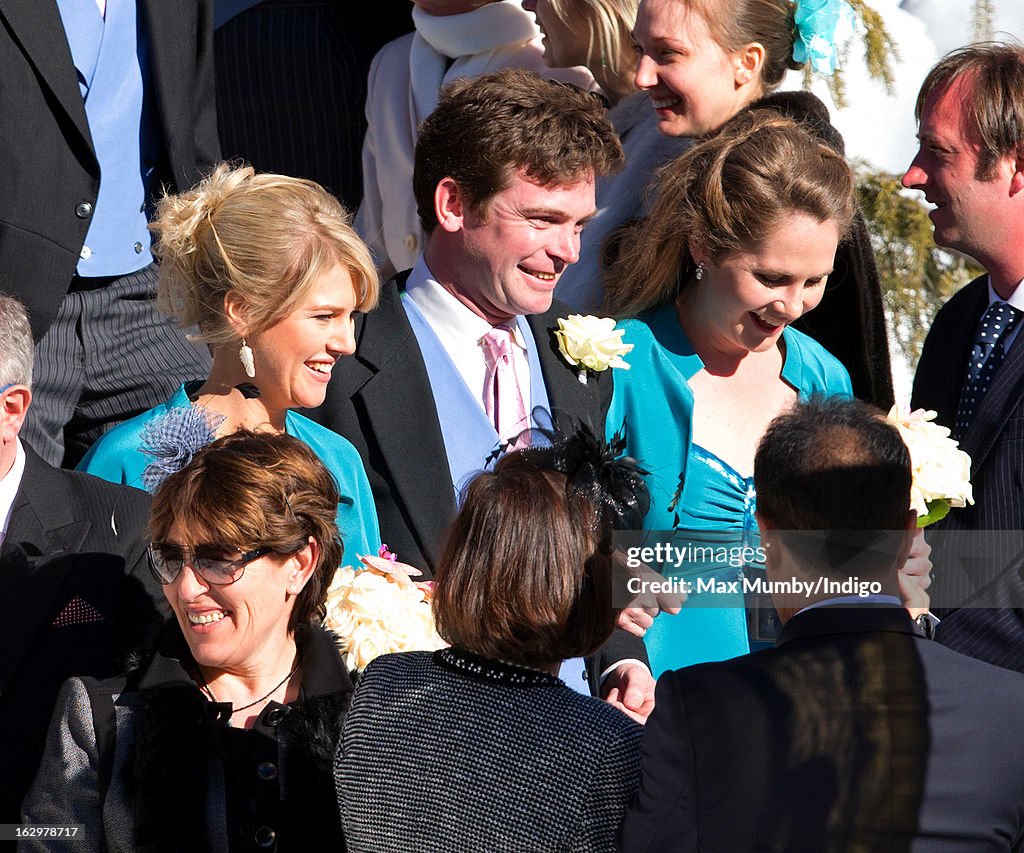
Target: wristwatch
926 623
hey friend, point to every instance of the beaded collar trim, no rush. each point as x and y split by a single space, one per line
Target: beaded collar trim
493 671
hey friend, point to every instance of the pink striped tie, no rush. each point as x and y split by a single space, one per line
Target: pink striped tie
503 397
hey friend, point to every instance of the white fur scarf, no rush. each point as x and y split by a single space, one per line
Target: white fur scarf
470 39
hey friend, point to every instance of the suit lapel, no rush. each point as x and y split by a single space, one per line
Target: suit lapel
571 401
394 389
999 402
37 25
940 374
163 23
35 560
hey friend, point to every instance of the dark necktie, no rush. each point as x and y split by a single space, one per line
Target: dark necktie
986 356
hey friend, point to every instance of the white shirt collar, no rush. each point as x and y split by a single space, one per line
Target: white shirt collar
460 332
452 321
1016 298
9 486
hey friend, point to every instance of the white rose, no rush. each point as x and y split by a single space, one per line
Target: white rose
365 643
413 630
375 595
592 342
941 471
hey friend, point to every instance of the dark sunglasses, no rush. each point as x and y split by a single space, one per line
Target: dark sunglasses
166 560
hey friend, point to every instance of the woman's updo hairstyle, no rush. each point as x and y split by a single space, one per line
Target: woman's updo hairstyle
735 23
726 195
265 237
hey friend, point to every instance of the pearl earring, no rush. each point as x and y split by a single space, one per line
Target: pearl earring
245 356
699 272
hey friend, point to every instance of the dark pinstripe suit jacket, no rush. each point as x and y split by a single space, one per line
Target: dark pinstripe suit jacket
974 566
47 163
380 399
75 599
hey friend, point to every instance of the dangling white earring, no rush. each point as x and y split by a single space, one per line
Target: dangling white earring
245 356
699 272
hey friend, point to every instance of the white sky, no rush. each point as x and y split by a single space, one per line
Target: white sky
878 127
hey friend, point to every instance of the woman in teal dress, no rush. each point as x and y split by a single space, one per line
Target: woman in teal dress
739 245
269 271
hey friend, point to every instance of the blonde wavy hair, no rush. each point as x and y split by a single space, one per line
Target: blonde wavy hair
609 28
267 238
725 194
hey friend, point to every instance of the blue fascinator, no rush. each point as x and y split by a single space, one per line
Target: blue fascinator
173 439
823 29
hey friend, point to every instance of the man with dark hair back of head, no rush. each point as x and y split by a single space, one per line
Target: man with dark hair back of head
854 732
77 598
970 166
460 356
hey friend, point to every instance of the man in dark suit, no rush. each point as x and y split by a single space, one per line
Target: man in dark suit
504 182
854 732
971 167
105 103
77 598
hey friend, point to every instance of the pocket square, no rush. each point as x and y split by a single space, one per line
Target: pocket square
78 611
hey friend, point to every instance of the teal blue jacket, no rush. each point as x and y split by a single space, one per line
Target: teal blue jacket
654 400
118 457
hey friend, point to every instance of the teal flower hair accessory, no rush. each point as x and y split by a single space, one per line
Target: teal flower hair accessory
823 29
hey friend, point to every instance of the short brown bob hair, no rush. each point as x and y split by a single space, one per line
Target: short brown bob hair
525 576
251 489
486 128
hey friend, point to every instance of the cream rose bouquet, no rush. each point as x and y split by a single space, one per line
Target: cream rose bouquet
941 471
378 609
591 344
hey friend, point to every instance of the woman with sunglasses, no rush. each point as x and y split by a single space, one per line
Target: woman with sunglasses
224 741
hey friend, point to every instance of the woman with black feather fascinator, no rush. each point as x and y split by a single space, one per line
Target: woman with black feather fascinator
524 761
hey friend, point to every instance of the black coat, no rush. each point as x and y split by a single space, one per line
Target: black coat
146 763
47 163
976 549
380 400
77 599
853 734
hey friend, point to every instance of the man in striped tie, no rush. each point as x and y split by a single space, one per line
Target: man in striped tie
971 168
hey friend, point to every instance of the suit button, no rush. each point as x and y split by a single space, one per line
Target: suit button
83 210
266 770
410 242
86 253
265 837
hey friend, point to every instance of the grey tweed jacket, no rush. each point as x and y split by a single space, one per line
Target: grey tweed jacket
449 751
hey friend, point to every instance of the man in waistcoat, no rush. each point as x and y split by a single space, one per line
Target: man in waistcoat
105 104
460 356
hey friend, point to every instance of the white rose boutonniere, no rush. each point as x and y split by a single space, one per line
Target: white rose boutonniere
591 343
941 471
